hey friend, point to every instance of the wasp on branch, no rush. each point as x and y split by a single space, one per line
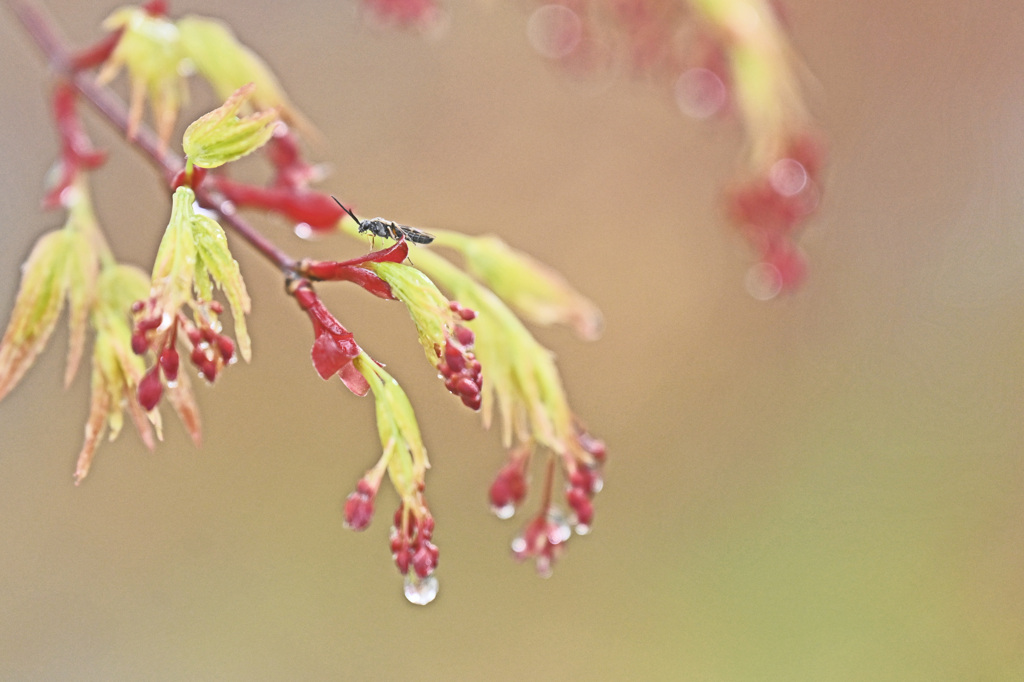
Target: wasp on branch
388 229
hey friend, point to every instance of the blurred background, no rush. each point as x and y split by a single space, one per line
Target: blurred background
827 486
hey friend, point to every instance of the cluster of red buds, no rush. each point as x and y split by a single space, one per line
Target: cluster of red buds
411 545
771 208
412 548
210 350
510 485
584 481
544 537
543 540
358 510
457 365
736 60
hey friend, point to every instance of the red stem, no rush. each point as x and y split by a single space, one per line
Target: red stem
112 108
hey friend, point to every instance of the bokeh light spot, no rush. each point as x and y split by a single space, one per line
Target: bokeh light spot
700 93
788 177
763 281
554 31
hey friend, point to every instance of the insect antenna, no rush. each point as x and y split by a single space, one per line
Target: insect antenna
345 208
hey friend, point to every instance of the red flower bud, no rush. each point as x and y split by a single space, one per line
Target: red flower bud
169 363
424 560
150 389
140 344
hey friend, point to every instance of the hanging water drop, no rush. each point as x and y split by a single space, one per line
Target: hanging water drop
559 530
505 511
519 545
420 591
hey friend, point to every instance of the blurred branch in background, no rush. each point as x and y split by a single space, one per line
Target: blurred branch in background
718 58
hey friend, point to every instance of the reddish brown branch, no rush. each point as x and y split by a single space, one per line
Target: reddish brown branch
113 109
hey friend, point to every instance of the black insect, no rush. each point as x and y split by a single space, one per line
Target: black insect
388 229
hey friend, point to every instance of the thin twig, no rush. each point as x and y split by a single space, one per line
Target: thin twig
113 109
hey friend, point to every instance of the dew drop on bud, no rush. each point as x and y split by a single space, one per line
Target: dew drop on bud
420 591
519 546
303 231
559 531
505 511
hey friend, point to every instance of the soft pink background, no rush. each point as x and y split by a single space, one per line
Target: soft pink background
824 487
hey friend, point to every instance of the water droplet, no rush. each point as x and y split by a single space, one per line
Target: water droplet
506 511
303 231
554 31
560 530
582 529
700 93
518 544
172 384
420 591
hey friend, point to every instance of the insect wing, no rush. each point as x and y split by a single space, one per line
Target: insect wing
414 235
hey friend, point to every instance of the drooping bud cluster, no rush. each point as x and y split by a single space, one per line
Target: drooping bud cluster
447 342
411 545
771 207
525 389
158 332
510 485
358 509
405 461
457 363
543 540
737 60
544 537
584 480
